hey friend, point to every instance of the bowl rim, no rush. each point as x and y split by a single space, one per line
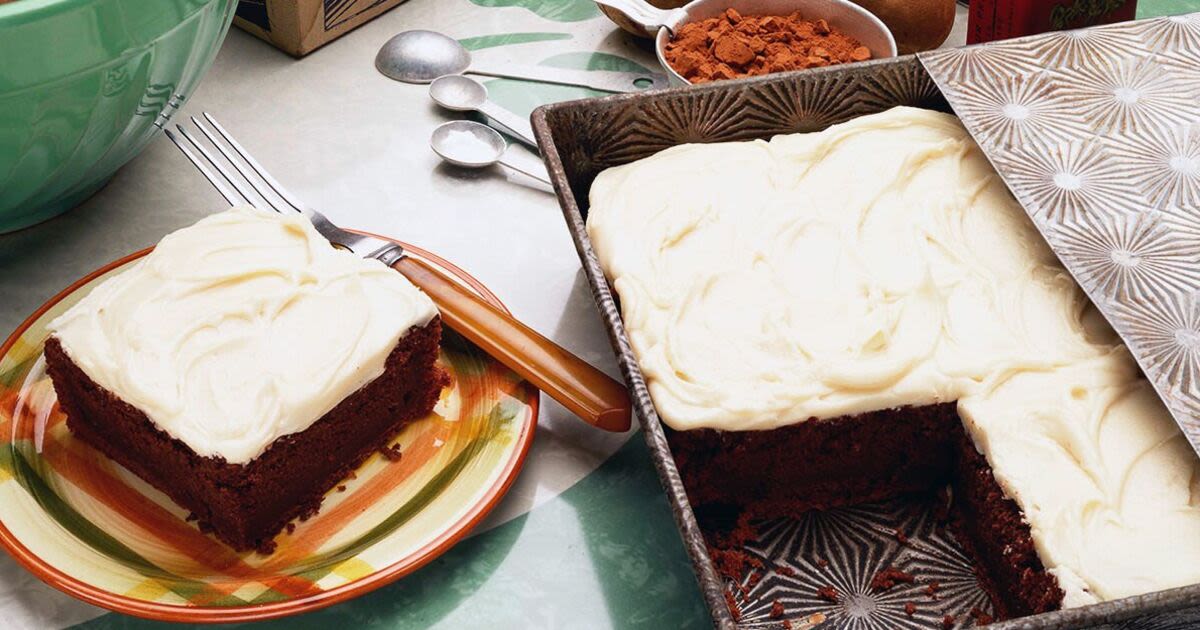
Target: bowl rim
37 9
19 12
685 15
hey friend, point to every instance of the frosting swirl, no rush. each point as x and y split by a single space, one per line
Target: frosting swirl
877 264
883 263
240 329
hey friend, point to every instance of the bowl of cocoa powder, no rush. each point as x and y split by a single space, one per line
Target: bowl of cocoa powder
713 40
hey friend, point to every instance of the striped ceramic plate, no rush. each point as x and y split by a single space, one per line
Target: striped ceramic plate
89 527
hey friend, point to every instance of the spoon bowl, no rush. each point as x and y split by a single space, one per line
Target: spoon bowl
421 56
458 93
467 143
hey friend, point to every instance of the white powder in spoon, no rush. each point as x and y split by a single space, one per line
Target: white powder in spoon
467 147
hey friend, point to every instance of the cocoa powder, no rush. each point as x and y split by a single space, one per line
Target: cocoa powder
732 46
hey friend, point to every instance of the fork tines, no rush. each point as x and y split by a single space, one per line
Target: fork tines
251 183
242 180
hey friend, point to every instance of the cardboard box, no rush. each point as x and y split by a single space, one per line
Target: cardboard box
991 20
299 27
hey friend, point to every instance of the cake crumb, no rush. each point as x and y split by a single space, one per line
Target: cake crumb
932 589
901 537
829 594
742 590
981 618
890 577
785 571
777 609
753 579
265 547
821 562
910 609
391 452
341 488
948 622
729 563
309 512
290 527
734 610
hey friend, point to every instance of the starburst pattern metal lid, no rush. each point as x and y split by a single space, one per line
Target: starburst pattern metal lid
1097 133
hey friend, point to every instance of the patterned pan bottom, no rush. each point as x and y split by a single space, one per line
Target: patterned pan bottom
825 566
88 526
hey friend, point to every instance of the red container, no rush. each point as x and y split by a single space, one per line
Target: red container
1004 19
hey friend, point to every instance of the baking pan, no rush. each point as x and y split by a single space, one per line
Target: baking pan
578 140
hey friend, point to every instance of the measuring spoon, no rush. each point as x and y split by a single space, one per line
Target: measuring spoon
422 56
473 145
464 94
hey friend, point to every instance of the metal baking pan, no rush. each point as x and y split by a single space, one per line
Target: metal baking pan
579 139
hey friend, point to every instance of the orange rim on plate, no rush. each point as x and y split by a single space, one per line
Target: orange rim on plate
91 529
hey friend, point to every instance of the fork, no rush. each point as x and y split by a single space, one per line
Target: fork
582 389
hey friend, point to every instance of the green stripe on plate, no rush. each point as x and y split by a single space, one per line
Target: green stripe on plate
322 564
604 554
9 377
403 514
91 535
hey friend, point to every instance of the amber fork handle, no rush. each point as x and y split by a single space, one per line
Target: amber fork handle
585 391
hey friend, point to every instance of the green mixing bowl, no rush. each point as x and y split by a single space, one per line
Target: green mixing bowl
85 84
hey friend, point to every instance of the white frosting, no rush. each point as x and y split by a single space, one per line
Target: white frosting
240 329
877 264
1106 480
882 263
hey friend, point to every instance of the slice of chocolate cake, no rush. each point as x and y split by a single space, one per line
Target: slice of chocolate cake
837 317
245 367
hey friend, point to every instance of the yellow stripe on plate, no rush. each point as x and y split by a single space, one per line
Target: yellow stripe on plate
149 590
354 569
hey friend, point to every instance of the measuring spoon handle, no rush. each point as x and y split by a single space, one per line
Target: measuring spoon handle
524 163
605 80
512 123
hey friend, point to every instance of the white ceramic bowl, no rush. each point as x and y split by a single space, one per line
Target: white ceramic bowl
843 15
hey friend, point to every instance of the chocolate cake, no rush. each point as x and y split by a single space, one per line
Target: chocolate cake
246 505
990 526
733 478
839 317
245 367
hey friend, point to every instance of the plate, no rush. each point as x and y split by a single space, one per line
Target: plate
92 529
